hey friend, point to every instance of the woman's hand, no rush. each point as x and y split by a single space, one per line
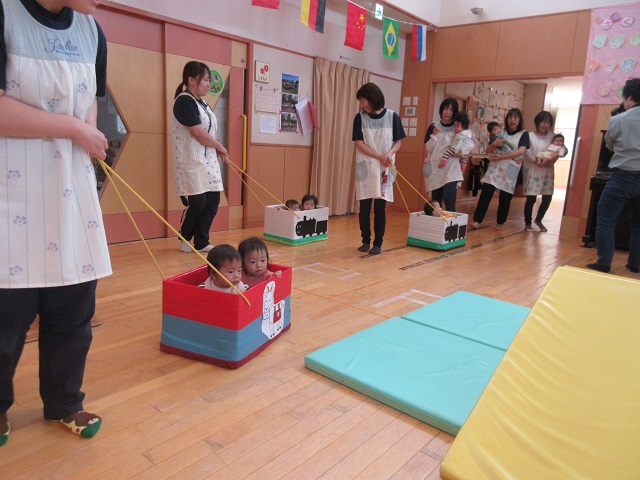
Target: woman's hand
91 139
387 160
222 151
495 158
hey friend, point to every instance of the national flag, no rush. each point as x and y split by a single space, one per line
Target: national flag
419 43
312 14
266 3
390 29
356 26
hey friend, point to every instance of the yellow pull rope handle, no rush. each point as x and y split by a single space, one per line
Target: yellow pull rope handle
135 225
419 194
108 170
247 185
403 199
240 172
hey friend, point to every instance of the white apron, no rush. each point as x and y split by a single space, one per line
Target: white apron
196 167
538 180
504 174
374 180
52 232
438 177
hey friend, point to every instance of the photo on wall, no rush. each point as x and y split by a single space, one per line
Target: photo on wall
289 102
290 83
288 122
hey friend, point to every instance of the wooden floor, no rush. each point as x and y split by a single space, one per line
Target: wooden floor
169 417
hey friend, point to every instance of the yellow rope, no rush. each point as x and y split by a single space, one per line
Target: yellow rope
135 225
419 194
403 199
108 169
240 171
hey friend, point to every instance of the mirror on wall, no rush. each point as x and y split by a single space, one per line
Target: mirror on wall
110 123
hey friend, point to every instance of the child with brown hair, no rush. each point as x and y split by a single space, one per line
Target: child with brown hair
255 261
228 263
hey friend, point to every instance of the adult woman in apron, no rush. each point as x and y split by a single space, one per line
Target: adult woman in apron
198 179
442 183
503 170
377 132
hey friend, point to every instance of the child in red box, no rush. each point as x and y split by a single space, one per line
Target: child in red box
255 260
228 262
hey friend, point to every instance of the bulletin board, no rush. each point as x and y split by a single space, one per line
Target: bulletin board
267 96
613 54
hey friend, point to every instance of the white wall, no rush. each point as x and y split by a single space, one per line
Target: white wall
457 12
283 29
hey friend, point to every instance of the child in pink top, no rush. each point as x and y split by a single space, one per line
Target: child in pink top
255 260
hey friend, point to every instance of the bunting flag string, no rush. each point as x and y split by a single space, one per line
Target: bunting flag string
312 14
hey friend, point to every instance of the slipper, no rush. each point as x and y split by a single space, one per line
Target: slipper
83 423
5 436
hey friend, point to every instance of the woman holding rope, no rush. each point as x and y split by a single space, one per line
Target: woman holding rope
195 156
377 132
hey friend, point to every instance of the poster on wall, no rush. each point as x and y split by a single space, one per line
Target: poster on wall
217 83
613 53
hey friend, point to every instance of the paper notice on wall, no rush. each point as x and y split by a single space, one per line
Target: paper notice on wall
268 124
266 99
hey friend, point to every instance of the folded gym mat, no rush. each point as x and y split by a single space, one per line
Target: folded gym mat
564 401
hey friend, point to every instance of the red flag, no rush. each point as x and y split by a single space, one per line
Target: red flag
356 26
266 3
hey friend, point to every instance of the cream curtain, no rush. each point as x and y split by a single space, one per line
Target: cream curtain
333 165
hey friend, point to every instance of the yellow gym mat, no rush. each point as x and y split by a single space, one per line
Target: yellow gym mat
564 401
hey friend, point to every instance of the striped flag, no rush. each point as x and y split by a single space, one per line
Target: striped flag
312 14
266 3
356 26
390 29
419 43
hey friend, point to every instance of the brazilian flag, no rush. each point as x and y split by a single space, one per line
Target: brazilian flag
390 31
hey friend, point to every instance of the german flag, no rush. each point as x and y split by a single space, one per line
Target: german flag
312 14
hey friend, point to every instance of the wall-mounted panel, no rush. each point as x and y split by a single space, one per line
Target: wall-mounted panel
131 30
188 42
466 51
580 42
139 102
267 168
535 46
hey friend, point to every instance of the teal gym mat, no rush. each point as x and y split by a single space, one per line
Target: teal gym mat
429 374
481 319
433 363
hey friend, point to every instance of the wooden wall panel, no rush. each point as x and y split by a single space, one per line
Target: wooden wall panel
538 46
266 166
297 173
581 42
132 30
593 119
139 102
141 165
192 43
466 51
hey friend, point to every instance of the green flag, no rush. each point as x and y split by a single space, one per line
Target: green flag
390 29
